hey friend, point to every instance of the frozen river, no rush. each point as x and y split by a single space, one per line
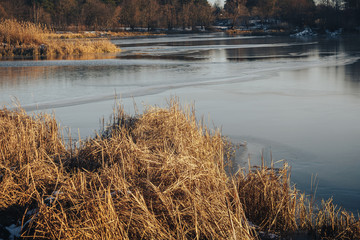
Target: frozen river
298 98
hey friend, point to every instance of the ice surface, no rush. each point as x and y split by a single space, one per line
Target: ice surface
298 98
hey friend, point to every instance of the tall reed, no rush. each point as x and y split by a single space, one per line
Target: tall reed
158 175
274 205
25 38
30 160
15 32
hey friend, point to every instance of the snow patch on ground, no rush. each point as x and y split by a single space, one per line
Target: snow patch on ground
334 33
15 231
307 32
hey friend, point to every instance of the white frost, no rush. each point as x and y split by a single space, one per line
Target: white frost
14 231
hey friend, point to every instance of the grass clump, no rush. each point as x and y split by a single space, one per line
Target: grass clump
275 206
31 149
159 175
29 39
268 198
17 33
77 47
162 176
101 34
255 32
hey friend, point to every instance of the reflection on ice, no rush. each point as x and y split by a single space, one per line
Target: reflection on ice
99 80
160 50
128 81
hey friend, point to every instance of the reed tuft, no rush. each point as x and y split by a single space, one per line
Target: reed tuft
29 39
15 32
159 175
30 159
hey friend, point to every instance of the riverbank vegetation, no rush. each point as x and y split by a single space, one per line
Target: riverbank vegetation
158 175
29 39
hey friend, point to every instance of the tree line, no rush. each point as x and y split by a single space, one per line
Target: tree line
109 14
329 14
170 14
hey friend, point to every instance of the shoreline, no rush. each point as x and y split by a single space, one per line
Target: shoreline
29 40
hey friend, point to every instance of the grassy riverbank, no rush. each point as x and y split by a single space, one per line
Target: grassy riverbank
159 175
236 32
28 39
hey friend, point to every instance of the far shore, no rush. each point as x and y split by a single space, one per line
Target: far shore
31 40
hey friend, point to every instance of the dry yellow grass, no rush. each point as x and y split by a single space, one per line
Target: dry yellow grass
17 33
77 47
234 32
332 222
160 175
24 38
274 205
99 34
269 200
30 156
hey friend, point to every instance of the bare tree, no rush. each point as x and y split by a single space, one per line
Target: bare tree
236 9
